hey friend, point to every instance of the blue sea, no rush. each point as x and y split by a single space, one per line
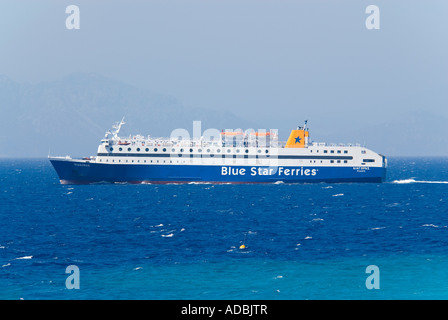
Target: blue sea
302 241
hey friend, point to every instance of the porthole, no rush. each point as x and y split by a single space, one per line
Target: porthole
147 149
191 150
111 149
172 150
267 151
218 150
199 150
208 150
164 149
129 149
228 150
181 150
237 150
120 149
155 149
247 151
259 151
138 149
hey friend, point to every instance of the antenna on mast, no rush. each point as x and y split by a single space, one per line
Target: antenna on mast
117 128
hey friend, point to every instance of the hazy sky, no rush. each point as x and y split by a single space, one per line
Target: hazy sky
273 61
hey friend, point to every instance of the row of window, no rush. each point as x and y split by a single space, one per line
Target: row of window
337 161
331 151
171 161
143 161
182 150
345 161
219 150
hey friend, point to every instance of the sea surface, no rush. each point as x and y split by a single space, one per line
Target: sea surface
302 241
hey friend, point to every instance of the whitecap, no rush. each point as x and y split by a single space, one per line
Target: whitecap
168 235
338 195
24 258
199 182
391 205
432 225
406 181
308 237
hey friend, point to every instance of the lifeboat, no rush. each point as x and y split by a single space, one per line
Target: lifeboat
232 134
123 143
260 134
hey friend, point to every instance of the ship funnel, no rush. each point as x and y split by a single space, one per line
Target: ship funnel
298 138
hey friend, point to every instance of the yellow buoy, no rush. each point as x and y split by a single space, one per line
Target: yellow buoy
242 246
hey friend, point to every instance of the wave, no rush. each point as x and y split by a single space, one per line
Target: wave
377 228
432 225
24 258
405 181
199 182
168 235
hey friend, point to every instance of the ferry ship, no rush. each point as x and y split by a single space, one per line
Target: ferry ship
233 157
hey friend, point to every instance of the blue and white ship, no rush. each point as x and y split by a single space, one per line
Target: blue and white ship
233 157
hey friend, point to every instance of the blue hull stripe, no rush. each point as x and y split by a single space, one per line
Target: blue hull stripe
76 172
